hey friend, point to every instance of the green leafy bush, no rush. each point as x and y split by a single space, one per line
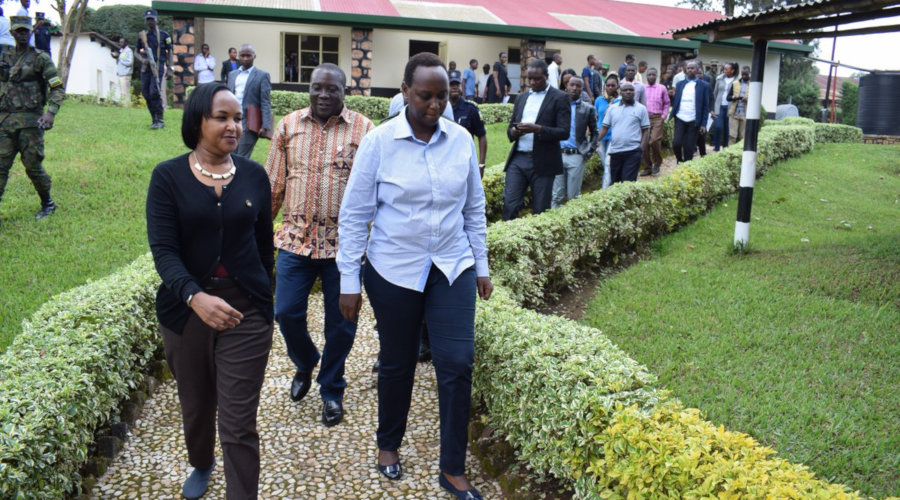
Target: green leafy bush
285 101
495 113
835 132
792 120
575 406
77 357
373 108
849 102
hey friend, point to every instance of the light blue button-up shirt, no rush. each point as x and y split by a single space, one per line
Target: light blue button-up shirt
425 202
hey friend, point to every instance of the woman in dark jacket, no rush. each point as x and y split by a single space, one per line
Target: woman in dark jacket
210 232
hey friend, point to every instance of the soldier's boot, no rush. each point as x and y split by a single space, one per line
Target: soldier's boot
155 125
48 206
160 120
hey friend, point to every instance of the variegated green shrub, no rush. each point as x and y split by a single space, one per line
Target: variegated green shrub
835 132
64 375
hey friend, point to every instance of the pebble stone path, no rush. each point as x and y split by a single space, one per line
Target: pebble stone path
300 458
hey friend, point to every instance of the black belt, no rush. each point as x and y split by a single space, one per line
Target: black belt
216 283
526 153
570 151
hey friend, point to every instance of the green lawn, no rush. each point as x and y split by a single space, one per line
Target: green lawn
798 341
100 159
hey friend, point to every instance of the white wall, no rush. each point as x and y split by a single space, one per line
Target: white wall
391 51
221 34
744 58
93 70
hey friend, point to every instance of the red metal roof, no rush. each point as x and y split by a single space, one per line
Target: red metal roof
641 19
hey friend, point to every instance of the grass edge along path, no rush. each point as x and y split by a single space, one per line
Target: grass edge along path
795 342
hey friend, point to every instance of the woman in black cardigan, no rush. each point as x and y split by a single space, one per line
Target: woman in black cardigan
209 225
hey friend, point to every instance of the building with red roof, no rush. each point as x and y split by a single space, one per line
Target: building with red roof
372 40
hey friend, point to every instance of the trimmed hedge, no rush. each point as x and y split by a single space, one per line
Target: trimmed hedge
577 407
63 377
835 132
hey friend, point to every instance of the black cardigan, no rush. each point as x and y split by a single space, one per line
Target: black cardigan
191 231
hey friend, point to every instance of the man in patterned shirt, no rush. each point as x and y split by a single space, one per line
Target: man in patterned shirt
309 163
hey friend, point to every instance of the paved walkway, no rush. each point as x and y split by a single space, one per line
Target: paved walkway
301 458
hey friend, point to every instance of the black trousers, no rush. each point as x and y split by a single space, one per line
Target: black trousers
449 312
222 372
684 141
519 176
624 166
150 89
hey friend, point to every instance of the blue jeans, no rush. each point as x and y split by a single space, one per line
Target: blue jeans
720 133
294 279
449 312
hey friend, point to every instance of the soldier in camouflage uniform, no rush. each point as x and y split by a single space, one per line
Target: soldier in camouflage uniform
26 76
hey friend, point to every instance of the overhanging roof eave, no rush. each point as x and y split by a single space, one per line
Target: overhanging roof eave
371 21
746 43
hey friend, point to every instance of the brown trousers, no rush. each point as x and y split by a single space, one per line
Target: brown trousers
222 371
653 154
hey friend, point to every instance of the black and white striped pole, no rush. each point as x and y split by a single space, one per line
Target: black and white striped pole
748 161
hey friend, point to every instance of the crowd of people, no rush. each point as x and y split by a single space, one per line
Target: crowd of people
553 142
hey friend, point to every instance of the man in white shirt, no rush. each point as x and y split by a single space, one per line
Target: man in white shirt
252 87
690 107
124 69
553 71
205 66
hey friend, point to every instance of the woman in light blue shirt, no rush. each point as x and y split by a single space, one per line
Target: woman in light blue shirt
416 179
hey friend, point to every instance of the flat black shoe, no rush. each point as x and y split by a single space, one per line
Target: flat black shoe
300 385
376 366
332 413
392 472
472 494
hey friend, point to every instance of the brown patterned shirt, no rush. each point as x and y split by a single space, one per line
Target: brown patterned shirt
308 167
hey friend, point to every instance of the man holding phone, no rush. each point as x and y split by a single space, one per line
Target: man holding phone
541 119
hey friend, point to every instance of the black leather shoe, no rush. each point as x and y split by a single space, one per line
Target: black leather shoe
655 170
645 172
472 494
376 366
300 385
332 413
392 472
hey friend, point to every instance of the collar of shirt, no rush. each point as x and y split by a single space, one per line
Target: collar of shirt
405 131
306 114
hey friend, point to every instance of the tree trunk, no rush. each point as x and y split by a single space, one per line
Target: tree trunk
71 20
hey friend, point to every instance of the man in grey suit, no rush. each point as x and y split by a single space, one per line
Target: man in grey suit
251 86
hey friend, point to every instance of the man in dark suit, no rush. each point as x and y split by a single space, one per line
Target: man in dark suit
541 118
690 107
252 87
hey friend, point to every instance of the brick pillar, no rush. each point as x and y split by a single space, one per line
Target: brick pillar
531 50
361 61
183 49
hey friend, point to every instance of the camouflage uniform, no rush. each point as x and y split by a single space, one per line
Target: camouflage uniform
26 76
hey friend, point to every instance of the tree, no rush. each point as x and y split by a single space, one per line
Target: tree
113 21
849 102
802 94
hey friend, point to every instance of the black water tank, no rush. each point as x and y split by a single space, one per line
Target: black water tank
879 103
